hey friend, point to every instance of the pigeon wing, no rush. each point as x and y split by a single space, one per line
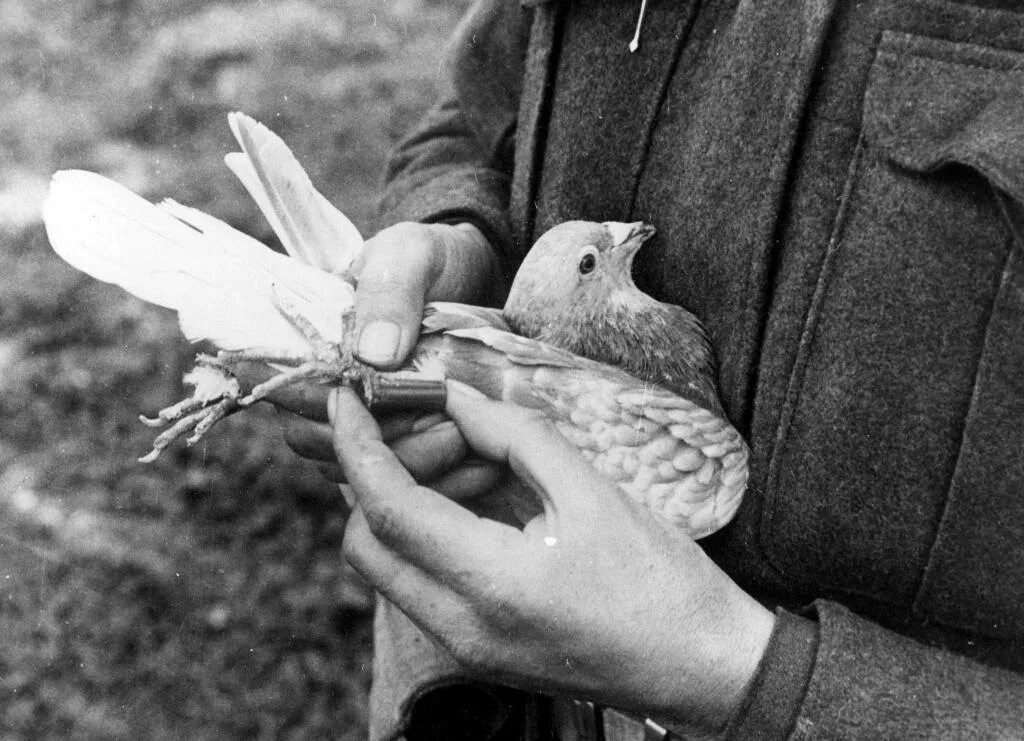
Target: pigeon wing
685 462
441 316
309 226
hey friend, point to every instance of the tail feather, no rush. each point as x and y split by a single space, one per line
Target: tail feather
223 284
308 225
107 231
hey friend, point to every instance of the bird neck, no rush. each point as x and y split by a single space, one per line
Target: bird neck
657 342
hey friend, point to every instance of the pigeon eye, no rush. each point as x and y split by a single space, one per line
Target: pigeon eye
588 261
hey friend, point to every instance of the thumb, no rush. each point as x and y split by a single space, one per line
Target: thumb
395 275
531 446
405 265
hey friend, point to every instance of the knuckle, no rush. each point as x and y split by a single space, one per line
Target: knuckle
401 242
542 424
350 546
429 457
383 522
504 604
536 426
470 652
529 417
332 472
405 242
354 546
296 437
504 614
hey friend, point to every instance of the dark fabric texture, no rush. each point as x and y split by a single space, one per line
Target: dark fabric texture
902 689
457 165
835 187
468 713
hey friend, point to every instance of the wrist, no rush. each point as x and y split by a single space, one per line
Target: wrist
745 650
712 689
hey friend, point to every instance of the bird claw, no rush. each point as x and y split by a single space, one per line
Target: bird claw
198 423
217 392
174 412
215 396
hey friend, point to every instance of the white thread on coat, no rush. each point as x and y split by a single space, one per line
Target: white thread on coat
635 43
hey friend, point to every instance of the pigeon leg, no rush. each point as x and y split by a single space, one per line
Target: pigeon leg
225 358
322 349
329 362
321 346
211 416
174 412
312 370
217 393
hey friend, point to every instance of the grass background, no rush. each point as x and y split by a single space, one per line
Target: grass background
201 597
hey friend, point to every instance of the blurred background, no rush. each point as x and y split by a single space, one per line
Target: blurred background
203 596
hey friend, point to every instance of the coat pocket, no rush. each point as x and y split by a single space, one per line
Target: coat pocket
894 479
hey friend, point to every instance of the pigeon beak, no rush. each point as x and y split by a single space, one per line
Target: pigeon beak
627 239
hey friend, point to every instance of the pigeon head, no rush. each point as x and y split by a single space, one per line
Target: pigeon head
577 268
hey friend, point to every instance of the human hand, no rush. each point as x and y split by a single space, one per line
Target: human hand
429 445
406 265
399 269
595 598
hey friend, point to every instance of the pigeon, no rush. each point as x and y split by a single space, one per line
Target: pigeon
628 380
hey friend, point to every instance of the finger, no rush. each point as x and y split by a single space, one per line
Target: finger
473 478
427 456
307 439
394 426
427 601
469 480
333 472
394 279
438 535
481 493
533 448
313 440
430 454
437 473
432 451
350 499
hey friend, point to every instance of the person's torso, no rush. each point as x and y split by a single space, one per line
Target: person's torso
823 178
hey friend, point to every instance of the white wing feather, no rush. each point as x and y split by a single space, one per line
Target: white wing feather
223 284
308 225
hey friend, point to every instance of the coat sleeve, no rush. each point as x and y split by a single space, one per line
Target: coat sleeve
834 675
456 164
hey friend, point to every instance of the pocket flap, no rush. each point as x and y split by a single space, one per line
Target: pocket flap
931 102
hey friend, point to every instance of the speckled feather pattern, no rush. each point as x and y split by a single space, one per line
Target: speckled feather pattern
681 460
684 461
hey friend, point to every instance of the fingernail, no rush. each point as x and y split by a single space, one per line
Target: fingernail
425 423
440 428
460 388
332 405
378 342
349 495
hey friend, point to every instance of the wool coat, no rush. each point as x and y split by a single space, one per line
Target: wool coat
838 189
